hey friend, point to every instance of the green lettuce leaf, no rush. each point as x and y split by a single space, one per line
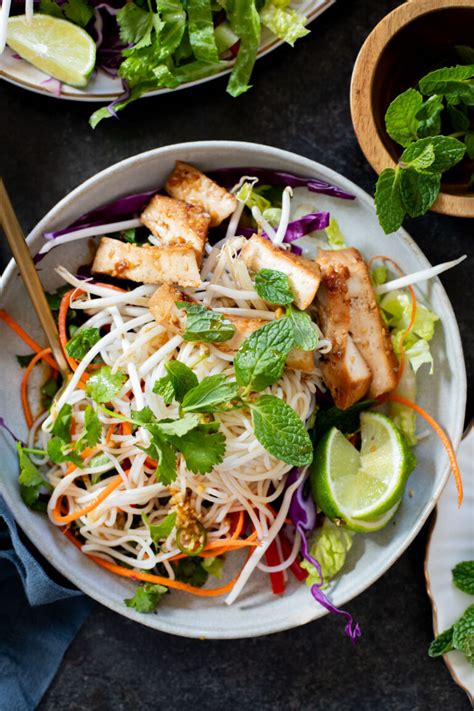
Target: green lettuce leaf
329 546
285 23
245 22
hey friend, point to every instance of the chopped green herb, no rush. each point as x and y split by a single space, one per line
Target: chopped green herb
279 429
304 332
82 341
205 325
146 597
261 358
274 287
211 395
104 385
31 481
161 531
463 576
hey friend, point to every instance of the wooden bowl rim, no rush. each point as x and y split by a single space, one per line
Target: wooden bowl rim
362 80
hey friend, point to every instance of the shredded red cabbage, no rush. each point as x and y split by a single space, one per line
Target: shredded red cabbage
303 514
296 229
228 177
123 208
6 427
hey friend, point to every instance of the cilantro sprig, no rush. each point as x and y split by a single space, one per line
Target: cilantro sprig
433 125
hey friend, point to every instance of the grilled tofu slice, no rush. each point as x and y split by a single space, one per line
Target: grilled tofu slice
304 274
366 327
166 313
176 223
147 264
344 370
188 183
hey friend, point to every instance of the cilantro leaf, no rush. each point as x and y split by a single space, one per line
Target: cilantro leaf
62 424
347 421
463 576
144 416
442 644
134 23
48 391
78 11
81 343
163 452
260 360
449 81
388 201
279 429
447 152
146 597
205 325
202 449
92 427
304 333
418 191
211 395
401 119
161 531
176 428
30 480
60 451
274 287
429 117
201 30
463 634
190 570
177 383
104 385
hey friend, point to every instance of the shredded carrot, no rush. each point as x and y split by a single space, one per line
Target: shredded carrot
446 442
41 355
59 518
62 316
406 333
34 345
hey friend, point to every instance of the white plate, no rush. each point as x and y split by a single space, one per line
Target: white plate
451 541
257 611
105 88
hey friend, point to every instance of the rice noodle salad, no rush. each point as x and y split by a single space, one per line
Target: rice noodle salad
242 387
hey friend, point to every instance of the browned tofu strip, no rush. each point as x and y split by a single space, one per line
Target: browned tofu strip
175 222
164 310
147 264
188 183
366 327
303 274
345 372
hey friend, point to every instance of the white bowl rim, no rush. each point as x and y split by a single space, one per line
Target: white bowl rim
22 514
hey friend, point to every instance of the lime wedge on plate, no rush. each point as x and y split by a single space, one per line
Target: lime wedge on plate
57 47
362 488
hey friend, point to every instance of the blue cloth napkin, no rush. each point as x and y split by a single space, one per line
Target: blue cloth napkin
38 621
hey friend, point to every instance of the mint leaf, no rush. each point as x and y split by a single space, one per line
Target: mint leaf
273 287
78 11
458 117
279 429
429 117
30 480
448 151
62 424
50 7
205 325
421 159
442 644
418 191
304 332
104 385
463 576
469 139
211 395
388 201
134 23
449 81
202 449
146 597
201 30
401 117
181 377
260 360
176 428
463 634
82 342
161 531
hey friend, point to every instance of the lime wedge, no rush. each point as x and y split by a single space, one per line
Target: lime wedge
362 487
57 47
376 524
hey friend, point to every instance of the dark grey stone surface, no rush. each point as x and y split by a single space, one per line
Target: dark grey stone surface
299 102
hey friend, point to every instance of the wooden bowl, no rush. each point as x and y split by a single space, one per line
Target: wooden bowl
408 43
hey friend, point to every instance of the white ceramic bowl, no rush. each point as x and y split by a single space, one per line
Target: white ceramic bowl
257 611
103 87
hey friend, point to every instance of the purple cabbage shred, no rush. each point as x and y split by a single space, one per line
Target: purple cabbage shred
228 177
6 427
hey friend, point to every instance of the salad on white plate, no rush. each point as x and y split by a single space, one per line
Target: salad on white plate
242 382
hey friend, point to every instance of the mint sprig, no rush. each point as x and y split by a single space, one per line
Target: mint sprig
415 120
205 325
